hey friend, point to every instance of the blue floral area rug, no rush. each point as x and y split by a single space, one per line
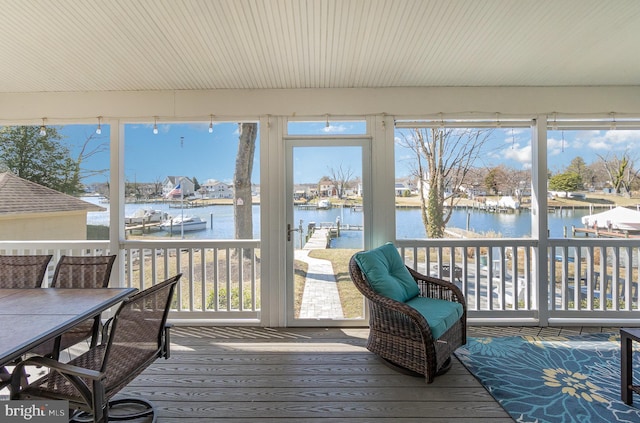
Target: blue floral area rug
554 379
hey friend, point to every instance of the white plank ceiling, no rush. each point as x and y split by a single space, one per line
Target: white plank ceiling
133 45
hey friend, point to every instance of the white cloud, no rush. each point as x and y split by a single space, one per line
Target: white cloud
332 128
612 140
521 155
555 146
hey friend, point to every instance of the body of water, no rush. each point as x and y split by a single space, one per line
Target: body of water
408 222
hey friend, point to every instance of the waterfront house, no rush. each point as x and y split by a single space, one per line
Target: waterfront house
212 188
29 211
171 182
326 188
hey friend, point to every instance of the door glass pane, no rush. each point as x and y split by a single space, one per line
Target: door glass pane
328 223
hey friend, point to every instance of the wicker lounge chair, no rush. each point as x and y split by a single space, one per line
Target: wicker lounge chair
78 272
403 335
133 339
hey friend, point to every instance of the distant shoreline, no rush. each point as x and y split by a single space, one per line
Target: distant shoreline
593 200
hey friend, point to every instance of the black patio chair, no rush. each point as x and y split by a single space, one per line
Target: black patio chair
133 339
25 271
78 272
21 271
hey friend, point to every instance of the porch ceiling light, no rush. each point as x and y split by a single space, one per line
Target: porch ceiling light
43 129
327 124
211 124
99 128
155 125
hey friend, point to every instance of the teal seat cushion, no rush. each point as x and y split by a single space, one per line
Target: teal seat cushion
440 314
387 274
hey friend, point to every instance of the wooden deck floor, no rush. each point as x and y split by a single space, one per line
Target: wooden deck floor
233 374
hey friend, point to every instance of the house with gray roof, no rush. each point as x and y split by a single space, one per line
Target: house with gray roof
29 211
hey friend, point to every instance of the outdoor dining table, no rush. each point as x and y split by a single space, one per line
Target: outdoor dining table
29 317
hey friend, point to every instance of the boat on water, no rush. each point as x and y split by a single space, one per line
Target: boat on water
324 204
619 218
141 216
186 224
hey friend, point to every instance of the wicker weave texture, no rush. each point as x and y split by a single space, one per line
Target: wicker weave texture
23 271
401 335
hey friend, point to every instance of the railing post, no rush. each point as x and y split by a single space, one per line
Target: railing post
539 220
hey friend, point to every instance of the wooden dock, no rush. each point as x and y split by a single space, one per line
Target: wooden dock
324 232
143 227
599 233
319 240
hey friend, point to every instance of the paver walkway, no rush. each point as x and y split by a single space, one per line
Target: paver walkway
320 298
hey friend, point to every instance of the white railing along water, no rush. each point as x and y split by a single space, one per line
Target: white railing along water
587 279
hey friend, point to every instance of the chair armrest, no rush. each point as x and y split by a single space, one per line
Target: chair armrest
437 288
74 374
399 318
63 368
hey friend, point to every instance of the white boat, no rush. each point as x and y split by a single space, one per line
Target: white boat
324 204
186 224
145 216
620 218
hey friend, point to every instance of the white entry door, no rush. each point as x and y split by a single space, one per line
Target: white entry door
326 225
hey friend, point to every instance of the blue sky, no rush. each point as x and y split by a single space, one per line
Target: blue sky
189 149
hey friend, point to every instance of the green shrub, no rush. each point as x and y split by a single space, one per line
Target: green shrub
235 299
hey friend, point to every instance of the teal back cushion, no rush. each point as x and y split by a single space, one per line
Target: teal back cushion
387 274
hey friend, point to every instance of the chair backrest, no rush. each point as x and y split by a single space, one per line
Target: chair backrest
83 272
385 273
136 336
23 271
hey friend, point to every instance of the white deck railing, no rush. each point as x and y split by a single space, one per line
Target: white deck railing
500 278
220 279
594 280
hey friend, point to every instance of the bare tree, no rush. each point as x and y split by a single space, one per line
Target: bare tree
340 178
157 185
621 172
93 144
443 157
242 209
